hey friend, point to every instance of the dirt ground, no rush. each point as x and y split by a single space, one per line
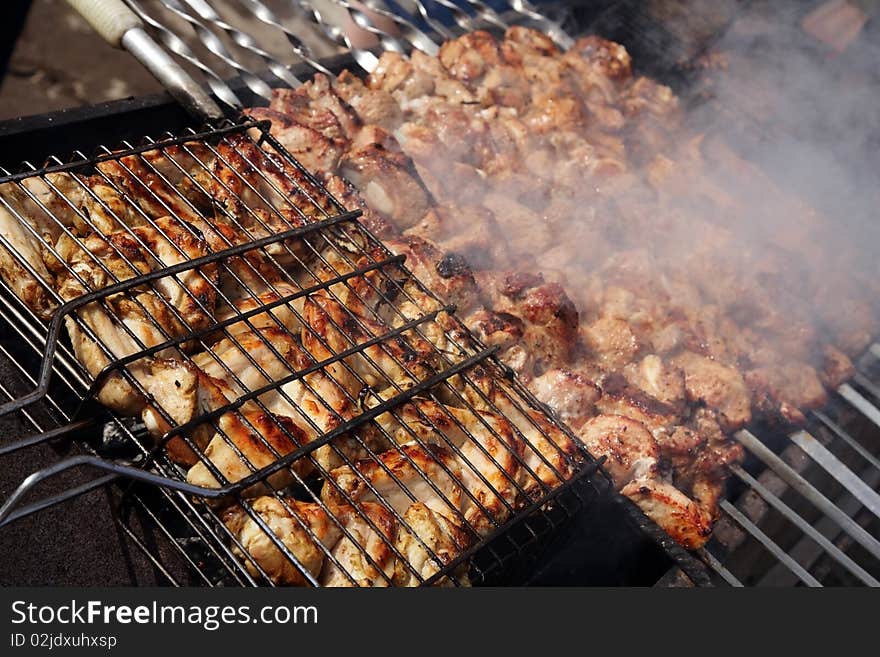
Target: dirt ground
60 62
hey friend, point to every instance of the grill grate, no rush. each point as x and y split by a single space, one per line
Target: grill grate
225 257
805 507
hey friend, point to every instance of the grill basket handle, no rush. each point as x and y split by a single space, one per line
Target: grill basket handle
13 509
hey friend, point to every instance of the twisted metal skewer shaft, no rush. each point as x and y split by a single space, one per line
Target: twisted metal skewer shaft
550 27
213 44
179 47
266 15
244 40
419 8
335 34
407 30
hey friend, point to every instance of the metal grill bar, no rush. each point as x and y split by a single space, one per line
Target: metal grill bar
833 551
797 482
806 551
719 567
849 479
768 543
867 408
846 438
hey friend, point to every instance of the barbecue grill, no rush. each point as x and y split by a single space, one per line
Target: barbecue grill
803 508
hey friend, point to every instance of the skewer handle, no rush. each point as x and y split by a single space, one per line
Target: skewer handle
109 18
122 28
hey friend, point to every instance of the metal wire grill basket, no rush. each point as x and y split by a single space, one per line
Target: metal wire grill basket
311 412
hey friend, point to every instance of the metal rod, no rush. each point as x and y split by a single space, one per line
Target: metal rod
406 28
806 551
266 15
243 40
781 555
801 485
863 405
719 567
179 84
846 477
833 551
179 47
46 436
838 431
867 384
215 46
335 34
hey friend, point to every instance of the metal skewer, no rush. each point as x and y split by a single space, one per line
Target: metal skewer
122 28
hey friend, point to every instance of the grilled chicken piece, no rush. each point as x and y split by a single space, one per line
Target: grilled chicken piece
312 149
25 255
294 531
621 398
469 57
371 105
612 342
657 378
836 367
632 461
430 475
627 444
175 306
346 193
316 402
549 456
263 194
467 230
282 315
682 518
788 389
571 394
396 75
367 558
527 42
506 332
549 316
487 449
447 274
127 324
428 541
594 57
180 392
718 386
317 105
246 443
386 177
331 329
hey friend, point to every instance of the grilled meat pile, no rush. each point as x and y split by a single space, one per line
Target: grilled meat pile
237 363
654 289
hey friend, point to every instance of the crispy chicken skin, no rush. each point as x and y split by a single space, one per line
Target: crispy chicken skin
246 443
431 475
367 558
488 452
296 531
429 541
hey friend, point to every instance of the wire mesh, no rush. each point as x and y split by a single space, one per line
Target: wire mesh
315 414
